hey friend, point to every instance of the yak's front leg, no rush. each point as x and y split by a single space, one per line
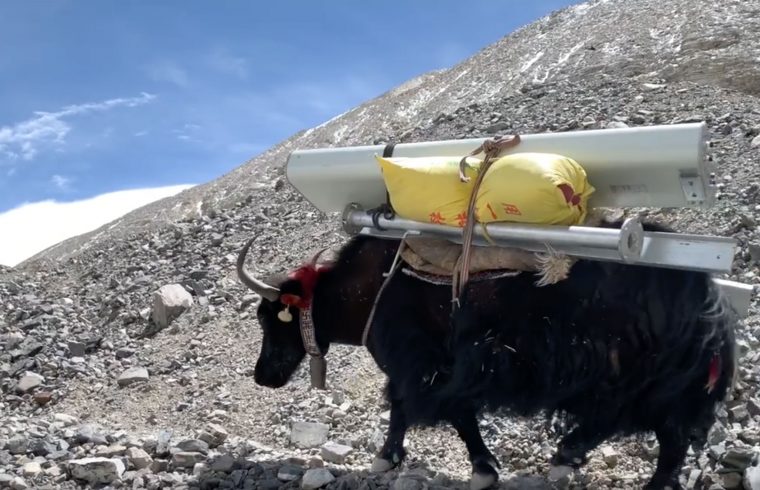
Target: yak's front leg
392 452
484 464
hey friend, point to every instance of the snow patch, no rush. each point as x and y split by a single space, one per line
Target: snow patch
338 134
531 61
311 130
563 59
579 10
537 79
667 41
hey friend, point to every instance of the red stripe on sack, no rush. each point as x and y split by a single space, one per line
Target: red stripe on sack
569 194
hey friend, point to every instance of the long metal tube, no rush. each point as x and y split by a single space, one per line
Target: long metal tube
627 242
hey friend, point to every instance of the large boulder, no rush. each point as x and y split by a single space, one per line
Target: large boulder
169 302
97 470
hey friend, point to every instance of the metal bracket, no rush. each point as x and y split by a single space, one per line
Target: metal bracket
692 189
631 240
629 245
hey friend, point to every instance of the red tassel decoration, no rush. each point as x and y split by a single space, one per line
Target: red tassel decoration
713 373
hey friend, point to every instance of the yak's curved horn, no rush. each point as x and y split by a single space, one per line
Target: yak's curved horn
264 290
317 255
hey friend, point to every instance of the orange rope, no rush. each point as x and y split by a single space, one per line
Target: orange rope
491 148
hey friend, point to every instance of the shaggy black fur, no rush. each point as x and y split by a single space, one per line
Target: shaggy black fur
621 349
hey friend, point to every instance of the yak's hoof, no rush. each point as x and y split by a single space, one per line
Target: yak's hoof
568 458
481 481
483 472
381 465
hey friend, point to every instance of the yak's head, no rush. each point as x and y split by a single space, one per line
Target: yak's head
282 348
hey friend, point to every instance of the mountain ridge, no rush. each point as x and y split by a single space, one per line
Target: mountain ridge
538 53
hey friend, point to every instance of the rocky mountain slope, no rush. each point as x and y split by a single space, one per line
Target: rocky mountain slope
86 373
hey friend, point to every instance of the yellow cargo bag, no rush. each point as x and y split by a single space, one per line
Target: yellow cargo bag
535 188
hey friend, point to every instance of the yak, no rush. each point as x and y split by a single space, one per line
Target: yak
619 349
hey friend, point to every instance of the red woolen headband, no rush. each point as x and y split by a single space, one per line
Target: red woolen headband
307 275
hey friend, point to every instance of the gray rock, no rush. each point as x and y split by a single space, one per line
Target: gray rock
193 446
755 142
169 302
561 476
138 457
752 478
289 473
610 456
133 375
41 447
110 451
77 349
406 483
739 413
731 481
18 445
19 483
265 484
753 406
754 251
335 453
316 478
214 435
65 419
87 433
309 434
29 381
162 444
187 459
717 434
224 463
694 475
499 126
527 483
739 458
96 470
31 469
717 451
124 352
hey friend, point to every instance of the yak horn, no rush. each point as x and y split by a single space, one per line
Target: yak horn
264 290
315 259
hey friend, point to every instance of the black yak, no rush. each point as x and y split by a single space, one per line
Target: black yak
619 349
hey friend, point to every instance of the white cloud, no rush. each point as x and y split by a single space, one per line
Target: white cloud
23 140
184 133
37 226
61 182
228 64
168 71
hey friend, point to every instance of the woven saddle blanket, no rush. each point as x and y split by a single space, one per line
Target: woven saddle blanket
435 259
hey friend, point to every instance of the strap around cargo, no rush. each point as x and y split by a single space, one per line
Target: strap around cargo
386 209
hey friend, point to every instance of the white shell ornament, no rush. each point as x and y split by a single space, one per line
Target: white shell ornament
285 315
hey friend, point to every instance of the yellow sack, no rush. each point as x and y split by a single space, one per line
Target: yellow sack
536 188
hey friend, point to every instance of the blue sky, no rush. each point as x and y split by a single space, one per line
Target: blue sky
97 96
